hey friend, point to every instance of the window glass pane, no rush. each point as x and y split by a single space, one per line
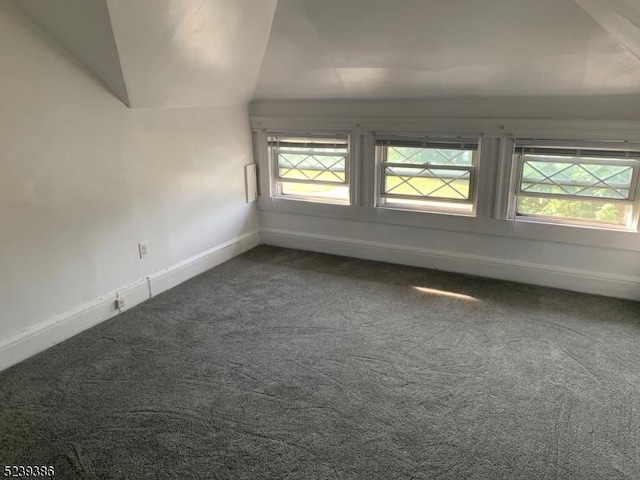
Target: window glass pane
592 211
576 177
312 167
428 182
316 166
328 192
433 156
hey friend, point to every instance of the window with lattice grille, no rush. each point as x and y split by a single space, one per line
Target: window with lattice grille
594 187
312 167
428 173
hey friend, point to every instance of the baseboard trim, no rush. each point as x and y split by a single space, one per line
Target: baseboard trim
585 281
61 327
175 275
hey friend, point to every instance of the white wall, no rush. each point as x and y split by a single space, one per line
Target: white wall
83 179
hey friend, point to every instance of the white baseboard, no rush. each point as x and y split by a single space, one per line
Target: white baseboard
585 281
175 275
61 327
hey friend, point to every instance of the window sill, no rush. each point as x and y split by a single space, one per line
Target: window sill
314 200
425 211
579 225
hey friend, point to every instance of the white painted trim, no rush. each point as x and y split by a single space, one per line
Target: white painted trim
525 272
548 129
61 327
577 235
175 275
497 173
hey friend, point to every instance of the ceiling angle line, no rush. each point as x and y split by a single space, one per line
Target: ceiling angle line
612 19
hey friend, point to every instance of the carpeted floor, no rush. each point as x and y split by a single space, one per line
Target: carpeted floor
291 365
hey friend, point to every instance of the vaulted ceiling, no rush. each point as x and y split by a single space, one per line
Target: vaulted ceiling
189 53
164 53
83 27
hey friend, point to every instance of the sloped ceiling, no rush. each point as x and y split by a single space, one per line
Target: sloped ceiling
437 48
197 53
621 18
190 53
164 53
83 27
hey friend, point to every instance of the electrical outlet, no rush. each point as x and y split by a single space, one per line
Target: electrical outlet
143 248
119 303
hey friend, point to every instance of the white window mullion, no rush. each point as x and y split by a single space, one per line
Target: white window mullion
506 174
367 163
485 172
263 162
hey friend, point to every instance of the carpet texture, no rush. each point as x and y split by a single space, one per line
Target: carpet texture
289 365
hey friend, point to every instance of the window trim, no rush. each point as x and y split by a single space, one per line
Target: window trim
626 154
276 181
496 181
435 205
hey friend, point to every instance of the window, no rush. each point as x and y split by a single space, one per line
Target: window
311 167
428 173
583 186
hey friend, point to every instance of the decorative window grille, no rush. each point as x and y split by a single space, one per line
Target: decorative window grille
590 186
311 167
428 173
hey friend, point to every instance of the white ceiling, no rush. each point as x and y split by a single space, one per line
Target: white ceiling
82 27
164 53
440 48
198 53
191 53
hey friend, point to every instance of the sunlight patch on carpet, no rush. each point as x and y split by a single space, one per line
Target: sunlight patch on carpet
444 293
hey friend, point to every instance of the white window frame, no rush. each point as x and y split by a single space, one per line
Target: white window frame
384 200
274 171
497 173
584 150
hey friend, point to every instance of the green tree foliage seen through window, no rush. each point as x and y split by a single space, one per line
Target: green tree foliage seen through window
597 180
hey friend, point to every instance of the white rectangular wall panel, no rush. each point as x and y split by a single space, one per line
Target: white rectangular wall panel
251 182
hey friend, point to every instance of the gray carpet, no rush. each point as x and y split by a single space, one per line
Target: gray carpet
290 365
